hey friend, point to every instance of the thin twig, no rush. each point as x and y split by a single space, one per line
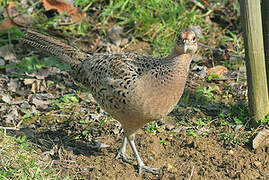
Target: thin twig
221 50
10 128
191 173
206 14
200 5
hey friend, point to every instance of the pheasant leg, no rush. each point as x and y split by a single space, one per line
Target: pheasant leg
122 152
141 165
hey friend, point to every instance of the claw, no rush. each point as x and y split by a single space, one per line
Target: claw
141 165
125 157
154 171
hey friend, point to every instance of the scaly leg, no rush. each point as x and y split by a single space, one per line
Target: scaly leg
122 152
141 165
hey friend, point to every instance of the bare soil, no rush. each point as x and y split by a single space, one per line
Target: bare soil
182 157
185 157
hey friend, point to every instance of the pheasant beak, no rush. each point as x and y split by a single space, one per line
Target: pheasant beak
185 47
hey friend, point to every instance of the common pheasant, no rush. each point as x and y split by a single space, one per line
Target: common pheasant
134 89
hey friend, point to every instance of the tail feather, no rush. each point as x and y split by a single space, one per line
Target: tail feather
54 47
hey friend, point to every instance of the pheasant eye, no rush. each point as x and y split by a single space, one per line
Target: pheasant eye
194 38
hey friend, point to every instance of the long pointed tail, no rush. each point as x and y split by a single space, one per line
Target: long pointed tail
53 47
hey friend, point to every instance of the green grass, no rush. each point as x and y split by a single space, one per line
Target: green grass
153 128
154 21
231 121
19 160
29 64
67 101
265 120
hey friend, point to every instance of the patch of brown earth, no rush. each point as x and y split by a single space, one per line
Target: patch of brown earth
183 157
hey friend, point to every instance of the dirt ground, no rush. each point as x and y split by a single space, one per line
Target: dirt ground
182 157
185 157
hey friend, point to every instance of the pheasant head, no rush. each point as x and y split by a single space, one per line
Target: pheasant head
187 40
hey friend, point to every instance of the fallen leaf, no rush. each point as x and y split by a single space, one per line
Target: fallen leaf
262 139
29 81
6 53
3 109
7 24
200 70
40 104
2 62
79 16
11 116
62 6
37 85
9 58
13 85
18 18
25 105
5 98
218 70
44 96
3 81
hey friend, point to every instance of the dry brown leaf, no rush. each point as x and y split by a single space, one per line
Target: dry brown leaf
37 85
8 58
28 81
7 24
262 139
13 85
5 98
218 70
12 115
40 104
6 53
20 19
2 62
78 15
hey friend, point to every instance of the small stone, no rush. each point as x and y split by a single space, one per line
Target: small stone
262 139
171 168
266 173
153 152
258 164
231 152
150 158
169 126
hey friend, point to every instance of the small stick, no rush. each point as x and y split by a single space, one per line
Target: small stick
191 173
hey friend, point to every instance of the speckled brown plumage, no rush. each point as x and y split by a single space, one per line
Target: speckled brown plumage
134 89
